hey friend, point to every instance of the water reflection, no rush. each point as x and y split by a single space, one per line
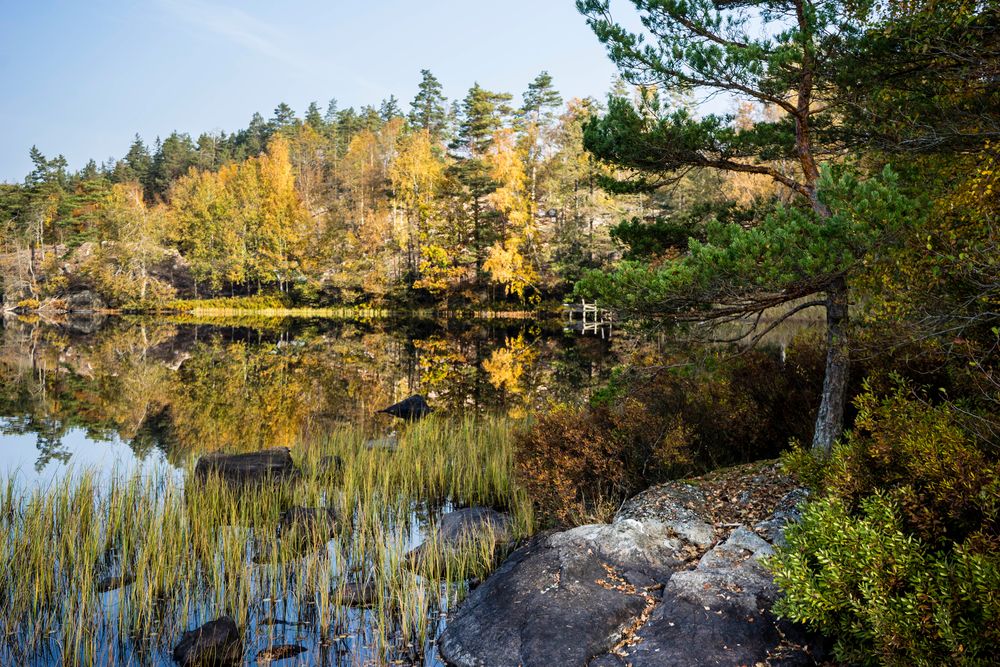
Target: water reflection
137 390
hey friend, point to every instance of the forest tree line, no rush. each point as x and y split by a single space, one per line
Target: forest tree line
482 199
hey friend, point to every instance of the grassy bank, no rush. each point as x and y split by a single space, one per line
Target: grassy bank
190 551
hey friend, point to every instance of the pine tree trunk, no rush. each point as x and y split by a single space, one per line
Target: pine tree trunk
830 419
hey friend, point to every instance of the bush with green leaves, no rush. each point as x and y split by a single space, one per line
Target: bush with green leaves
898 560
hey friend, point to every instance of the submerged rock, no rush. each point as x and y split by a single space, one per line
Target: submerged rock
463 527
247 468
464 524
320 522
354 594
111 583
280 652
389 442
218 643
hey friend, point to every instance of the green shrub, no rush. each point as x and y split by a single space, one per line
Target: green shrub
899 560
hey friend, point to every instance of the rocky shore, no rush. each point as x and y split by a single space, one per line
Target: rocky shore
674 580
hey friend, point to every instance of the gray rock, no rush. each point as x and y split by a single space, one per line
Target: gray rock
566 598
84 302
246 468
773 527
459 528
649 547
684 633
676 505
464 524
218 643
544 606
357 594
389 442
718 613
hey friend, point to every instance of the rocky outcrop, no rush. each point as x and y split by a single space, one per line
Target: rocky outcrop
218 643
660 586
84 301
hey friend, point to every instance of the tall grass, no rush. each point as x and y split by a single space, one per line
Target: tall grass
190 550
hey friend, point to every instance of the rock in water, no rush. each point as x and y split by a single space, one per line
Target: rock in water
218 643
460 528
464 524
308 521
111 583
413 408
279 652
246 468
358 595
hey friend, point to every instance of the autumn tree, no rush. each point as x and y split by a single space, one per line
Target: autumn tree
483 114
244 224
133 238
416 174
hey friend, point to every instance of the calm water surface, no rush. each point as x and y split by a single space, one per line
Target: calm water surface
136 392
133 395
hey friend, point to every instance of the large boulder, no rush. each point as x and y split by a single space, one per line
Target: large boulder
85 301
218 643
715 614
546 605
246 468
413 408
654 588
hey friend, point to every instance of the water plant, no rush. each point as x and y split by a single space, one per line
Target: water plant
108 567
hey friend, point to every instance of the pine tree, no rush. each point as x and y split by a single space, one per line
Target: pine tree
787 62
428 110
40 167
136 164
173 158
483 114
283 118
313 117
389 109
541 100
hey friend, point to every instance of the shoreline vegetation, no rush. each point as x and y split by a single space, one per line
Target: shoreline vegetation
268 307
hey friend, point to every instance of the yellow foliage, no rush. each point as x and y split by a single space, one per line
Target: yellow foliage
508 266
506 365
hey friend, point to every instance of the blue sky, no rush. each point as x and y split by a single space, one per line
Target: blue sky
81 78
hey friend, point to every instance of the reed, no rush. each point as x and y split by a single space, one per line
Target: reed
101 568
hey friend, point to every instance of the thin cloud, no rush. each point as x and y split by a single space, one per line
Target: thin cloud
238 27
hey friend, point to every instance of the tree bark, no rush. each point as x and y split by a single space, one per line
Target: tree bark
830 419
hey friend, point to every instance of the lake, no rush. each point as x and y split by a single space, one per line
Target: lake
112 550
